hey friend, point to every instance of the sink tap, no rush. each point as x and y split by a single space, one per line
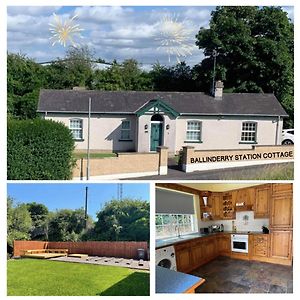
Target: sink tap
178 230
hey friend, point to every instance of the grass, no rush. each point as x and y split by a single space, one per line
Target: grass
94 155
34 277
268 172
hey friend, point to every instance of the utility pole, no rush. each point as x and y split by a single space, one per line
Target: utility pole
86 206
88 142
120 191
214 54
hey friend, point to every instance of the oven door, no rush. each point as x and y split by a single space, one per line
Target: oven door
239 246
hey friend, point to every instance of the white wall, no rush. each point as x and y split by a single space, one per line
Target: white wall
225 132
105 131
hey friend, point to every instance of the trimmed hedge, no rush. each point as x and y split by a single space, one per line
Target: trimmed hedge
39 150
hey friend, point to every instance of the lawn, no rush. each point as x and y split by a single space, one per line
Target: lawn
94 155
34 277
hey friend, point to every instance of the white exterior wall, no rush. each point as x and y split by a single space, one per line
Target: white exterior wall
217 133
105 131
225 132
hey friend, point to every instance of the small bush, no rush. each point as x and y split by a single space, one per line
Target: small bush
39 150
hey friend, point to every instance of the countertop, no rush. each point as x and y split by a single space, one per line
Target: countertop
160 243
168 281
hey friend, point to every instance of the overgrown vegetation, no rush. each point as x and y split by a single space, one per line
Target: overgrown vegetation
255 49
29 277
39 149
119 220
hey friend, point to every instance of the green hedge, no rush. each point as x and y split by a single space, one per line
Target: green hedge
39 150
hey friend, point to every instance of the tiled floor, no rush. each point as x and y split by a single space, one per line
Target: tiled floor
226 275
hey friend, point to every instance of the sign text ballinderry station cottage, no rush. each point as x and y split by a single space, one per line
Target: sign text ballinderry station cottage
244 156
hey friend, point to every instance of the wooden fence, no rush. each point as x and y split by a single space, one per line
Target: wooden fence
93 248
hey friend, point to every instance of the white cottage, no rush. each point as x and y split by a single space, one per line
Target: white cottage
140 121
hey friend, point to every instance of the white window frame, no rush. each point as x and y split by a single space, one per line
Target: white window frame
194 130
243 140
77 129
125 130
173 226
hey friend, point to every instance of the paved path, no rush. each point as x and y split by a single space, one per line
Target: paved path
241 173
108 261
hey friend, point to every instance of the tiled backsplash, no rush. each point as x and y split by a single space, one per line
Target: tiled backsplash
240 222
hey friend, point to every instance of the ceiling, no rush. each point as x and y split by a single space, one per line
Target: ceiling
218 187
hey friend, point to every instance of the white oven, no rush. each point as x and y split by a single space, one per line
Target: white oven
239 243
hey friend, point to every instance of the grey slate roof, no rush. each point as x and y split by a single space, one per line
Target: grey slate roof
183 102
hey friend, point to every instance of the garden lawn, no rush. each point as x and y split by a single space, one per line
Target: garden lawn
36 277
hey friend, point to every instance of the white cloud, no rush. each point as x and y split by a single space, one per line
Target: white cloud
32 10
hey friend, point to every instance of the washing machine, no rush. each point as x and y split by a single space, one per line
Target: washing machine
165 257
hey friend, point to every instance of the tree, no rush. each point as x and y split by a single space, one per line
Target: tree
67 225
76 69
255 49
39 216
125 76
38 150
19 223
175 78
125 220
24 79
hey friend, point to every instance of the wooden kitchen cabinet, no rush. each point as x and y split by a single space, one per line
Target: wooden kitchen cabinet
281 208
224 244
197 253
260 245
262 202
209 248
216 200
246 195
281 244
282 188
183 257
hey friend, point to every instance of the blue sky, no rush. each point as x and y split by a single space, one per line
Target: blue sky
113 32
72 196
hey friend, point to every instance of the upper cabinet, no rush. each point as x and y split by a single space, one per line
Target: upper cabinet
216 200
281 211
282 188
262 201
246 197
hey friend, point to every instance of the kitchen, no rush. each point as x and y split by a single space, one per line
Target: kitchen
224 238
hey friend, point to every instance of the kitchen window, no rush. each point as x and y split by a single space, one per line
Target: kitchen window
76 127
193 132
168 225
249 132
125 130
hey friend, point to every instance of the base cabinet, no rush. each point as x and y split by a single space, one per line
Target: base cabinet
281 245
260 246
183 258
224 245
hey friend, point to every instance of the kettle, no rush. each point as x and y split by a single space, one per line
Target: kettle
265 229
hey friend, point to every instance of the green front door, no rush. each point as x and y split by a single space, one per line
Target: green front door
156 136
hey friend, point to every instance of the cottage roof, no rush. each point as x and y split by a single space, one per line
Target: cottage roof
184 103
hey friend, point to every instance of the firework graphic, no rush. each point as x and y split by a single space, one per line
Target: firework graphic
174 37
64 31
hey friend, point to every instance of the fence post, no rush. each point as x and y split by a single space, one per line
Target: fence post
163 160
188 151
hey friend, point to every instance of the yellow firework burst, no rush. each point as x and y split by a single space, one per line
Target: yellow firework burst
64 31
174 37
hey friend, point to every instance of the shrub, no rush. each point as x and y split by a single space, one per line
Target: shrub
39 149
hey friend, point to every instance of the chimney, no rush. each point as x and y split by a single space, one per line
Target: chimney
218 92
